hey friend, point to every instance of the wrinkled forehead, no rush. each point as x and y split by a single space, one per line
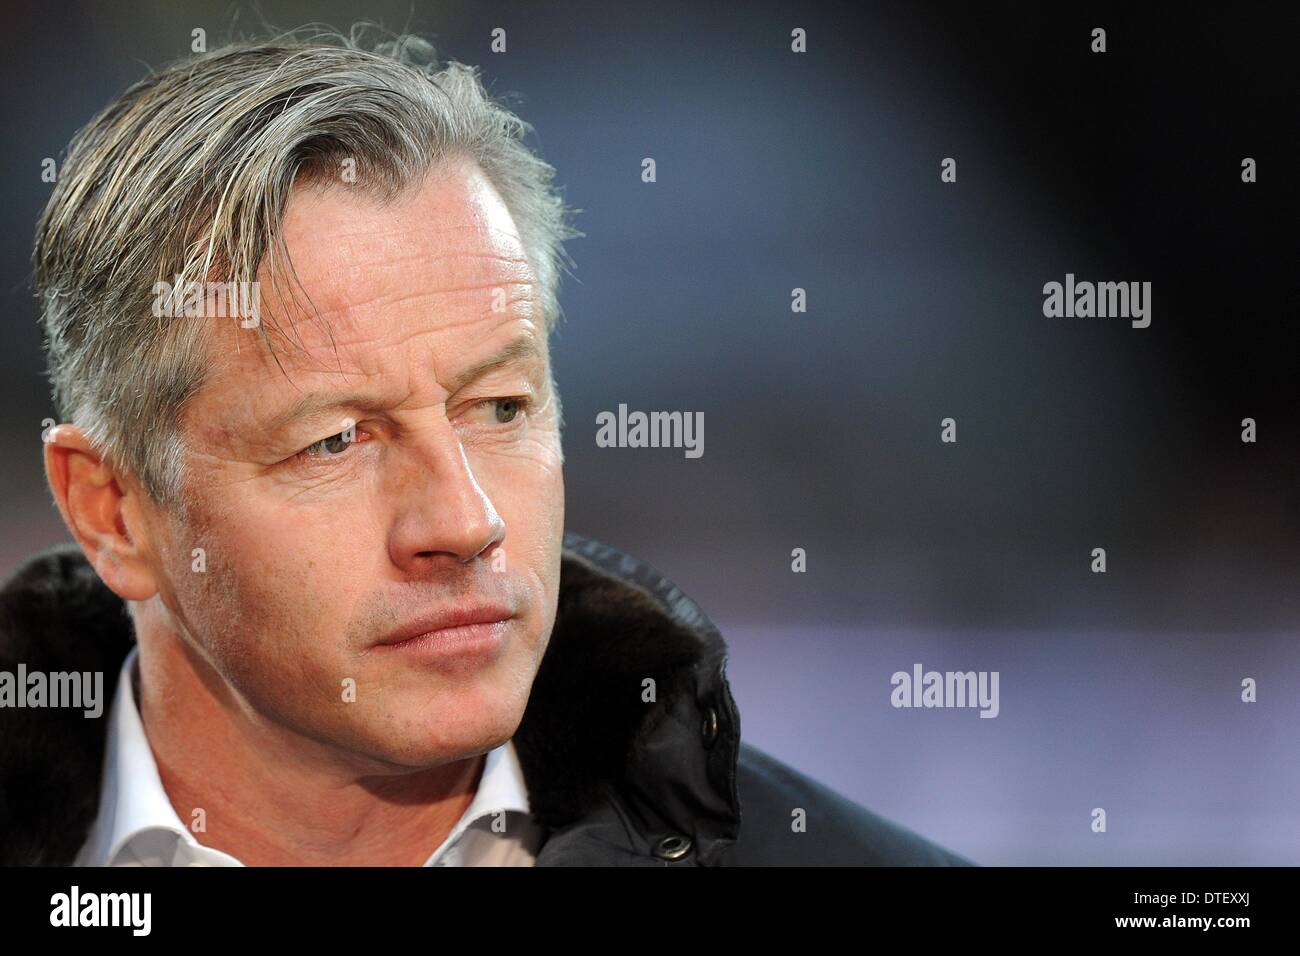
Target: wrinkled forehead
364 272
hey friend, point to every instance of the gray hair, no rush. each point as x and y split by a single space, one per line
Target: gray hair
188 173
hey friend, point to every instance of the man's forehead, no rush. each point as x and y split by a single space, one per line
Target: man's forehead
374 334
439 263
389 267
450 232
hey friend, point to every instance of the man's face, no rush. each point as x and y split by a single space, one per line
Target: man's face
449 497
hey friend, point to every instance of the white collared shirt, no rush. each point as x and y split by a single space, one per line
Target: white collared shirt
138 826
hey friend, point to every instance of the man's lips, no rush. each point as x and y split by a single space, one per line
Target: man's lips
445 619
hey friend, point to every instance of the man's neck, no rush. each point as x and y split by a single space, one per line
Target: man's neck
272 798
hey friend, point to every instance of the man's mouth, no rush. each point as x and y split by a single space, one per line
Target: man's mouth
470 628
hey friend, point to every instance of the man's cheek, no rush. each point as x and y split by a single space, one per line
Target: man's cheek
261 616
535 460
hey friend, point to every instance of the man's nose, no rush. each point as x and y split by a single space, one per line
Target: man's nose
443 515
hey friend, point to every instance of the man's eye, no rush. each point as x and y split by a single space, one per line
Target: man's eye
330 447
505 411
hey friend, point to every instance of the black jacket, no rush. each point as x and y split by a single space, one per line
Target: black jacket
613 780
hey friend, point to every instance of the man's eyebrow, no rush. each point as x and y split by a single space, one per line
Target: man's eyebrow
523 347
314 404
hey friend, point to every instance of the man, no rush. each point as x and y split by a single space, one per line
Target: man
297 299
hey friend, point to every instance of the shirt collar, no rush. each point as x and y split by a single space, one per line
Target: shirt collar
501 788
133 800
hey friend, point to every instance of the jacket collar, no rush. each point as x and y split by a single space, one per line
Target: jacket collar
630 736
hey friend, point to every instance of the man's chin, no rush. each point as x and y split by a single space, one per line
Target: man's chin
429 737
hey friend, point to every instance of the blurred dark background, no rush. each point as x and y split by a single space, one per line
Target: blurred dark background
821 171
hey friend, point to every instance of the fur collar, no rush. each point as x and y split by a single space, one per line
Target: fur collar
585 733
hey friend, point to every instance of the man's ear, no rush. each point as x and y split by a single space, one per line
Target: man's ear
95 504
